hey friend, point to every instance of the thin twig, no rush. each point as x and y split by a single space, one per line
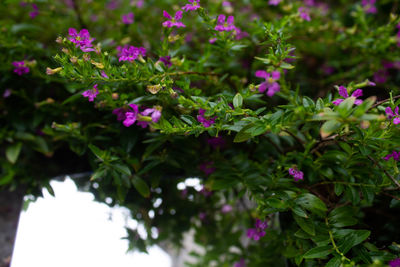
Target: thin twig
386 173
390 195
383 101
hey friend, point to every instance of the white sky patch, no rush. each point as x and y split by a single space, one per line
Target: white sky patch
73 230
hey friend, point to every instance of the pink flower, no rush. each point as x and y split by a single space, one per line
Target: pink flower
239 34
127 18
343 92
103 74
166 60
207 167
81 39
195 4
175 21
130 53
270 82
395 263
155 116
20 67
206 122
395 115
274 2
381 75
91 94
131 115
6 93
257 232
226 208
225 26
369 6
304 13
35 11
297 175
240 263
395 155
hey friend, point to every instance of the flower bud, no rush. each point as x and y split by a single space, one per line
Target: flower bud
50 71
59 40
65 50
154 89
73 59
86 57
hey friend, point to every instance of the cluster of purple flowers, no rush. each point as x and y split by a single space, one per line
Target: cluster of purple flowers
395 263
369 6
131 114
130 53
127 18
81 39
240 263
207 167
304 13
297 175
225 26
274 2
259 230
194 4
216 142
203 120
173 21
395 155
35 11
343 93
166 60
20 67
269 83
393 114
91 94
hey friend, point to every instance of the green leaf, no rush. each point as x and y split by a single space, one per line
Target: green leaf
243 135
99 173
329 127
306 224
312 203
13 151
345 107
318 252
238 101
320 104
141 186
122 169
353 239
342 217
334 262
100 154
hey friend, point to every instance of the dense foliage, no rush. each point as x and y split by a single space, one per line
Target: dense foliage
286 111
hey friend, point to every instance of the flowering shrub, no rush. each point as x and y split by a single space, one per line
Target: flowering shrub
285 111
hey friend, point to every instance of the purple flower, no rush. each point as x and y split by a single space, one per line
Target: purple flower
395 115
297 175
270 82
226 208
202 216
395 155
274 2
195 4
304 13
207 168
369 6
120 112
130 53
166 60
206 122
240 263
395 263
216 142
239 34
35 11
81 39
155 116
309 2
91 94
175 21
225 26
257 232
6 93
103 74
343 92
131 115
204 191
127 18
20 67
381 75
